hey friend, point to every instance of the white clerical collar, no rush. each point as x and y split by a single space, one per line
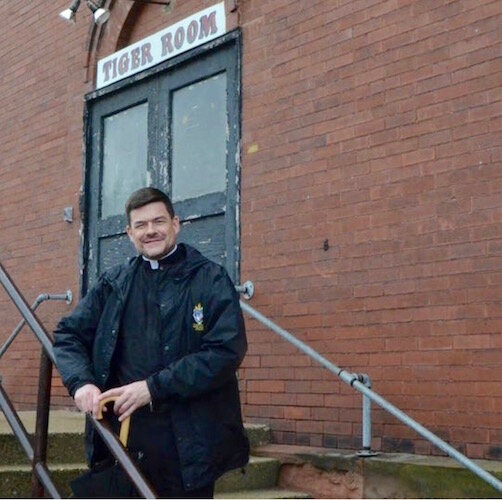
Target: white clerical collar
154 264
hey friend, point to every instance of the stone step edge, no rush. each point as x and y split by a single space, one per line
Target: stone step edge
330 457
321 471
73 422
253 460
263 493
60 422
260 473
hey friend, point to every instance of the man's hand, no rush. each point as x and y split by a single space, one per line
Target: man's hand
87 399
129 398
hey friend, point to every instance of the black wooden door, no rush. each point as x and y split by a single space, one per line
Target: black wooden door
177 127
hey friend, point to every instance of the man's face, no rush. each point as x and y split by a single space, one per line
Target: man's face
152 230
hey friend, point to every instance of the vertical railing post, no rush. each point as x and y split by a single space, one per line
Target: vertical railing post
42 422
366 419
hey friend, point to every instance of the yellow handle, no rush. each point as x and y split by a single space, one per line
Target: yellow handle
124 427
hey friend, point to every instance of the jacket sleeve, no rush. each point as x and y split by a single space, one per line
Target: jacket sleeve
221 352
74 337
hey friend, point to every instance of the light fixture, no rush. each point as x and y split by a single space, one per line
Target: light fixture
100 15
69 14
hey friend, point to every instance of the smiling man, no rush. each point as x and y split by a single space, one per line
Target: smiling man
153 229
164 334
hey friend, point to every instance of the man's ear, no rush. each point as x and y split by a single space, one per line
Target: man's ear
176 224
128 231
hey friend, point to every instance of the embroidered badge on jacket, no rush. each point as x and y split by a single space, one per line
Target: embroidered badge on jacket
198 316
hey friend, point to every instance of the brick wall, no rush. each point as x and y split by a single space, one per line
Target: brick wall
371 209
40 172
371 216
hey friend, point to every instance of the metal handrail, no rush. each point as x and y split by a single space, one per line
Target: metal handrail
39 468
67 297
28 315
354 381
41 477
23 438
121 455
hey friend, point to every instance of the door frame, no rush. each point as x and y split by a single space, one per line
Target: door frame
233 38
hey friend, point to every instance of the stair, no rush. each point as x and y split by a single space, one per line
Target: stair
65 460
331 473
274 471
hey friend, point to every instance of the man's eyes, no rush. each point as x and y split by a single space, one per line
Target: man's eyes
157 222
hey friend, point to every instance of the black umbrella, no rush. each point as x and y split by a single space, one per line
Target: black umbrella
106 479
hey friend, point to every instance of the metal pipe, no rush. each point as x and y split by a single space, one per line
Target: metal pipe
23 438
366 420
42 422
68 297
27 313
247 289
108 437
366 413
352 380
14 333
16 425
123 458
346 376
424 432
45 479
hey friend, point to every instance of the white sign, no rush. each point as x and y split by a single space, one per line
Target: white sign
180 37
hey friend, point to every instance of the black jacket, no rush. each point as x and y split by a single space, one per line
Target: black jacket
203 343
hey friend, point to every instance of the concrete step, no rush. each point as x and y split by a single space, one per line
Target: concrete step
65 459
265 493
15 481
330 473
61 448
66 441
258 434
319 472
260 474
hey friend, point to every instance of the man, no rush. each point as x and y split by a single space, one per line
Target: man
165 335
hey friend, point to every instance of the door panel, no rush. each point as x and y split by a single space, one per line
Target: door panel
121 140
125 150
177 129
209 233
202 107
199 138
114 249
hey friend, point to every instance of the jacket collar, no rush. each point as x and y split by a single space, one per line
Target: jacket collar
155 264
120 277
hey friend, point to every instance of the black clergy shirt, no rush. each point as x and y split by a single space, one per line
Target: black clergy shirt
138 351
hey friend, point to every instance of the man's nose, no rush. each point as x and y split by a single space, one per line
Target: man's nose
150 228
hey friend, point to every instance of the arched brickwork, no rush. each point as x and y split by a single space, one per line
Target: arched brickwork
108 38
